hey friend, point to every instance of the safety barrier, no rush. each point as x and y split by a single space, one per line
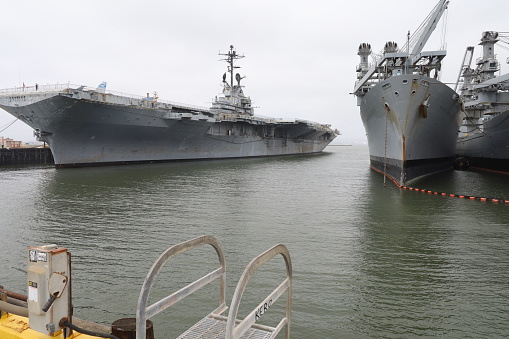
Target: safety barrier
443 194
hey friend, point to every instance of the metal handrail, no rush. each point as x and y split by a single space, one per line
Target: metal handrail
39 88
233 331
69 86
143 313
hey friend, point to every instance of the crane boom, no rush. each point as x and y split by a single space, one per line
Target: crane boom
430 26
469 53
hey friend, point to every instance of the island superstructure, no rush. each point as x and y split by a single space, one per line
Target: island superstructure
410 117
91 126
483 141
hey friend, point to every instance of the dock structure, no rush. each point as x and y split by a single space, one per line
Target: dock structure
26 156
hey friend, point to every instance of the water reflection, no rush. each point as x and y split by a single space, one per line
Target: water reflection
410 264
118 219
369 261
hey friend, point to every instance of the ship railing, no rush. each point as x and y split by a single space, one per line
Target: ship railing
38 88
68 86
152 99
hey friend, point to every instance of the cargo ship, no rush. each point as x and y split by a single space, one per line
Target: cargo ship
91 126
410 117
483 141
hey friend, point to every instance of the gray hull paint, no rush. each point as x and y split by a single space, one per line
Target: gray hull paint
412 145
488 149
85 132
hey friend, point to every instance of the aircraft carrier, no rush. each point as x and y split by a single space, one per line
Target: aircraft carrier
410 117
91 126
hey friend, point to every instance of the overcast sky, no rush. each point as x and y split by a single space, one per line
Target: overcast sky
300 55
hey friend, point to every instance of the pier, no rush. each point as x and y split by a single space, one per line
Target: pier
25 156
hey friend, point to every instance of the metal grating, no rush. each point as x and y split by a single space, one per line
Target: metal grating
214 328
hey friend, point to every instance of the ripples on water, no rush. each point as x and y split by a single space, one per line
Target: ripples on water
368 261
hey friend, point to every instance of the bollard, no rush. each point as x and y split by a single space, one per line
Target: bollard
126 328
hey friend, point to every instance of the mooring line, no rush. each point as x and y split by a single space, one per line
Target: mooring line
451 195
4 127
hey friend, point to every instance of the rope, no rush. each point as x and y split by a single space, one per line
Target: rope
443 36
385 147
443 194
4 127
66 323
476 126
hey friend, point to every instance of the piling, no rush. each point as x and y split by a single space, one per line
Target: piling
26 156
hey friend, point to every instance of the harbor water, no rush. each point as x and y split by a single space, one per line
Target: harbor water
368 261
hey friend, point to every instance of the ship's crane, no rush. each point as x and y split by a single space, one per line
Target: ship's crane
418 40
471 80
469 53
424 31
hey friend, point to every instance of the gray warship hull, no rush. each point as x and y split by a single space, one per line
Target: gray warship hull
411 119
83 128
483 141
407 140
489 149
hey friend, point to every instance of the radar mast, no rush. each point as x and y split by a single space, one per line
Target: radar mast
230 57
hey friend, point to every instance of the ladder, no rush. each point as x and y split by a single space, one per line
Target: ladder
217 324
